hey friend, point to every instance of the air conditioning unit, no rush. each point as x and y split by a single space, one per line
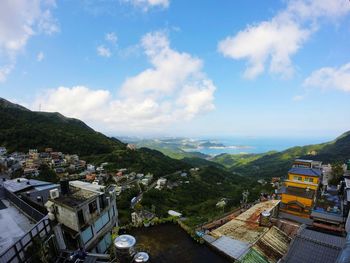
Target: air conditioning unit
54 193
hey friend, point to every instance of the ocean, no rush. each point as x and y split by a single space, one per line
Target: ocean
239 145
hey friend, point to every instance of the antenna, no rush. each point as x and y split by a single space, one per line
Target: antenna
40 107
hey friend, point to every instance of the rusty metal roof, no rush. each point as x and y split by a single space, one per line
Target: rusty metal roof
240 230
252 215
245 227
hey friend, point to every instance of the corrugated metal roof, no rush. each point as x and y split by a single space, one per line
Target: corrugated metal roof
273 245
245 227
312 246
231 247
306 171
20 184
253 256
240 230
209 238
253 214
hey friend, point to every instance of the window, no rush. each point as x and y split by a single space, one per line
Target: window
310 180
102 202
298 178
81 218
92 207
86 235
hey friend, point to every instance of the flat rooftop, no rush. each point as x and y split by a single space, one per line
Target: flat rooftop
21 184
75 198
87 186
13 225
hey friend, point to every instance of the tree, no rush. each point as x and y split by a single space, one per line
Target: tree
337 174
47 174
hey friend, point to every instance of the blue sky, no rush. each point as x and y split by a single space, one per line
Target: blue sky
183 68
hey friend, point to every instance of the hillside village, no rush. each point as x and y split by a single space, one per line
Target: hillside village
304 217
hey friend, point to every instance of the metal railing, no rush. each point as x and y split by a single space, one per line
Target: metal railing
23 206
17 252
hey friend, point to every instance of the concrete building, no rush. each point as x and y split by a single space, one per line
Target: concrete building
300 188
85 215
161 182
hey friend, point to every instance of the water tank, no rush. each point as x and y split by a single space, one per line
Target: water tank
64 187
125 248
141 257
265 218
51 216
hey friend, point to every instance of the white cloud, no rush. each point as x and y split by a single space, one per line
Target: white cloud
40 56
111 37
172 90
330 78
298 97
4 71
147 4
103 51
271 44
19 21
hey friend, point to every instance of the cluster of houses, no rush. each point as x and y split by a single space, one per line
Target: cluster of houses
31 161
64 165
306 220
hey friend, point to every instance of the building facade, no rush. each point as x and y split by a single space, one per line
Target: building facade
85 215
300 188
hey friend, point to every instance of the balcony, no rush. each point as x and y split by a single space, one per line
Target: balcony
328 207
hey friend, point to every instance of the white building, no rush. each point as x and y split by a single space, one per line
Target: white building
90 168
145 181
161 182
85 214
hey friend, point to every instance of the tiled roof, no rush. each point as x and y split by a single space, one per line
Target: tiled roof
306 171
312 246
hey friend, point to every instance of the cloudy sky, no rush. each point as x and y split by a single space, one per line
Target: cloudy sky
186 68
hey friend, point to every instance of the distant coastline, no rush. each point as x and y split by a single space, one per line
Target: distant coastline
217 146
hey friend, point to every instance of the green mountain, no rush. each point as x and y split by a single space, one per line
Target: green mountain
22 129
277 163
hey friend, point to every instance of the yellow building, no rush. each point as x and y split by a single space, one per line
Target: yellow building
300 188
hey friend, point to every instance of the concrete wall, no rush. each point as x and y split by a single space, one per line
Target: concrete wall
68 218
